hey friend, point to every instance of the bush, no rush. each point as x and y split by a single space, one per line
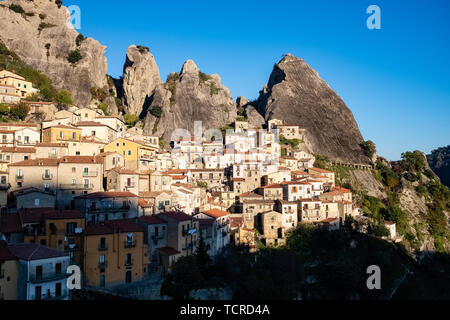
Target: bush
156 111
42 16
104 107
291 142
59 3
16 8
203 76
202 184
130 120
44 25
369 148
143 49
74 56
4 110
213 89
79 39
19 111
64 97
413 161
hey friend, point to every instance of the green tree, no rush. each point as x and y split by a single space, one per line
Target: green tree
64 97
4 110
130 120
201 254
74 56
369 148
19 111
156 111
413 161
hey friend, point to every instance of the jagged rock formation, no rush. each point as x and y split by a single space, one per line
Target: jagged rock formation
439 161
296 94
43 38
187 97
140 78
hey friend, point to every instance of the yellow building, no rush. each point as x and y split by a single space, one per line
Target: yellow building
61 134
23 87
9 273
136 154
114 253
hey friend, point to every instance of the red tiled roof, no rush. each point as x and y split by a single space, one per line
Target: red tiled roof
101 195
32 251
62 126
35 215
272 186
18 150
5 253
10 223
36 163
321 170
111 226
145 204
151 220
46 144
169 251
81 159
179 216
216 213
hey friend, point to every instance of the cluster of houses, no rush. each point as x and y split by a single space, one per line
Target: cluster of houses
80 189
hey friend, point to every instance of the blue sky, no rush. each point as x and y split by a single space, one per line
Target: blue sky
395 80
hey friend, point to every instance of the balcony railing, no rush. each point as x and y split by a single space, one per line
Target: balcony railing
19 178
131 185
102 247
102 265
188 232
45 277
108 209
160 236
91 174
52 155
130 244
47 176
54 297
76 186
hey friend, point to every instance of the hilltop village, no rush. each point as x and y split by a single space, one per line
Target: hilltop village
81 188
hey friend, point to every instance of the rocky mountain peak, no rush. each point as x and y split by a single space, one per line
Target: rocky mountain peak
296 94
189 67
140 78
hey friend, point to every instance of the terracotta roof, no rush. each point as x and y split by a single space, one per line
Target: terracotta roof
216 213
32 251
152 220
102 195
178 177
238 179
300 173
177 171
250 195
236 222
152 194
35 102
62 126
179 216
18 150
344 190
18 124
145 204
81 159
61 145
36 163
321 170
7 131
92 124
5 253
113 226
329 220
169 251
272 186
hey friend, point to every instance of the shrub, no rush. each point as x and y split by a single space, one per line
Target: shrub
16 8
202 184
291 142
104 107
19 111
64 97
174 76
74 56
79 39
4 110
44 25
130 120
369 148
42 16
156 111
213 89
143 49
203 77
413 161
59 3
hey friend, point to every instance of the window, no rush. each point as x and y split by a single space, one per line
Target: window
129 152
70 227
38 293
74 136
36 202
58 289
61 134
93 133
103 243
129 261
58 268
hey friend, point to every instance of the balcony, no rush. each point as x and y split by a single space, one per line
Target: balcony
54 297
52 155
90 174
102 247
71 248
108 209
130 186
47 176
19 178
130 244
188 232
46 277
159 236
76 186
102 265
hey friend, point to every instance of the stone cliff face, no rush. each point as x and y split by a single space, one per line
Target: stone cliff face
296 94
187 97
44 40
140 78
439 161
